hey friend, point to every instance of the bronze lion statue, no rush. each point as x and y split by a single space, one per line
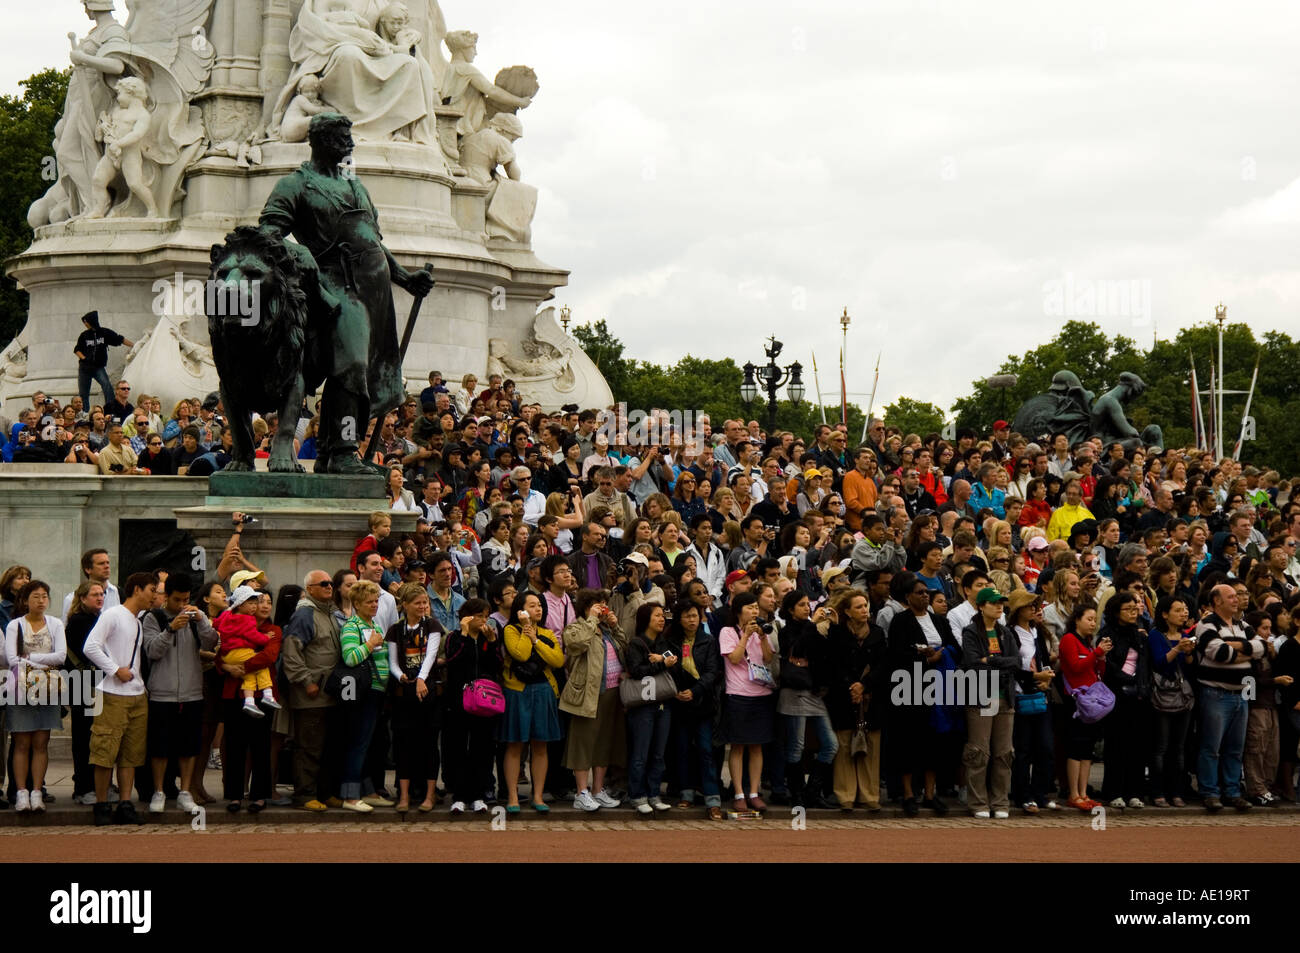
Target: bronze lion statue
261 294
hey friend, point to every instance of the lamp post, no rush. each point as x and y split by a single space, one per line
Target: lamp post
564 318
771 377
1002 383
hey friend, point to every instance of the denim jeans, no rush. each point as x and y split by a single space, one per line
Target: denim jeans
360 728
648 728
1032 743
84 377
795 730
691 740
1223 738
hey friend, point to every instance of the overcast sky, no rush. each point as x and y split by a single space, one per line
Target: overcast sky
713 173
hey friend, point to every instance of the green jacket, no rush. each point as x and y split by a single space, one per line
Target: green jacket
584 650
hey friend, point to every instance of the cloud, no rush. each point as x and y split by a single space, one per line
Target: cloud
715 173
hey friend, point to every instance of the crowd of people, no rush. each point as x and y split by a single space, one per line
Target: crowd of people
722 620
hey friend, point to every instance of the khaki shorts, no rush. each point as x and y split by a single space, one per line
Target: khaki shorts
119 734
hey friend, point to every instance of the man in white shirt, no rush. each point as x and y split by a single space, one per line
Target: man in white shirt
534 501
96 567
370 566
960 616
119 734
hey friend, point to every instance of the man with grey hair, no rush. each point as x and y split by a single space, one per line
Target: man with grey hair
1132 557
310 652
534 501
1224 651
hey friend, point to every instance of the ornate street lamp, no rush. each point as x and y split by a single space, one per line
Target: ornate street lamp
773 377
564 318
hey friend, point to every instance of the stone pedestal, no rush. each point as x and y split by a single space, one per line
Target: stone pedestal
304 521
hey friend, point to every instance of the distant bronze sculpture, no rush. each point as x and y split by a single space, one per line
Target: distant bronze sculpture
340 280
1069 408
264 310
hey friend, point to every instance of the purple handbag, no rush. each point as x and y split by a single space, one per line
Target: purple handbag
1092 703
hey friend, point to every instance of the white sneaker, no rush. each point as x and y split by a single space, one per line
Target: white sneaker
157 803
658 804
1053 806
251 709
1136 803
585 802
1001 815
1118 804
23 801
113 795
605 799
88 799
479 807
458 807
361 807
185 801
643 806
374 800
982 815
38 802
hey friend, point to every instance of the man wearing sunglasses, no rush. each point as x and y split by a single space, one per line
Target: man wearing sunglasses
310 652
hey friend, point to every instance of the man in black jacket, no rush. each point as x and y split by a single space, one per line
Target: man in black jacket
591 566
92 357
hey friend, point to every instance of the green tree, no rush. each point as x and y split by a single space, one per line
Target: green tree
1079 346
914 416
26 155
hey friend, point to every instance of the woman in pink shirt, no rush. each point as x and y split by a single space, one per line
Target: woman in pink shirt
748 704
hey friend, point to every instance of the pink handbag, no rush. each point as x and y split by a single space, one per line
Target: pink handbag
484 698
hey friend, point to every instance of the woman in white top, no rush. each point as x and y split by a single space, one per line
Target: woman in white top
400 500
35 649
464 398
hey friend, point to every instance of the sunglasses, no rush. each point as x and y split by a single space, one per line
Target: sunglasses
323 585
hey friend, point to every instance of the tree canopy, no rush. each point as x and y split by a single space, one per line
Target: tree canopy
27 156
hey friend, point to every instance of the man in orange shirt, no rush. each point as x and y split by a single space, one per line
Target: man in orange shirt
859 490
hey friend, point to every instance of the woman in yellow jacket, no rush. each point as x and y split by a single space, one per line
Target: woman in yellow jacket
1068 513
531 691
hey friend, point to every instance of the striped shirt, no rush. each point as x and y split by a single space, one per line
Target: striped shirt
1222 664
352 641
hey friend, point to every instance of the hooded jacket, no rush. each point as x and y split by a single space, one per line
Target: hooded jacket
175 669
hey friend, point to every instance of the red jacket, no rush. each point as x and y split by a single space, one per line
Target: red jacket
238 631
1080 664
266 658
1033 511
366 542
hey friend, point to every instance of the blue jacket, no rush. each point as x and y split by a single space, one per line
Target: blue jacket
980 498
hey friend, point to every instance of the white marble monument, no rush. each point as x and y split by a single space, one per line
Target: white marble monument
178 123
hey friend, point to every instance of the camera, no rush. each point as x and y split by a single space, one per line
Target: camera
765 628
79 447
245 518
116 468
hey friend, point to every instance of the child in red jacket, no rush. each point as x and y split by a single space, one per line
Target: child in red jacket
240 641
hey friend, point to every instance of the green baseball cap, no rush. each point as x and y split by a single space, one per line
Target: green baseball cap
989 594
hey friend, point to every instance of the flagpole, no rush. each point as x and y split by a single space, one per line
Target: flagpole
871 401
1236 451
1198 418
818 384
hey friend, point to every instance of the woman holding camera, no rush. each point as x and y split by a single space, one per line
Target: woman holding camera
806 676
36 650
648 654
531 690
690 738
1171 645
595 650
1082 663
1128 675
748 713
